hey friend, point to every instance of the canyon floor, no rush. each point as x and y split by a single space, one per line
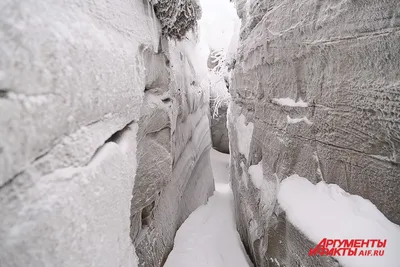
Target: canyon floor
209 236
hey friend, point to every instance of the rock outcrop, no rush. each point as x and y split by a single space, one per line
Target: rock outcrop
174 176
177 17
316 88
104 134
219 129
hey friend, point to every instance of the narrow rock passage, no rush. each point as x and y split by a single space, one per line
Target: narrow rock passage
209 237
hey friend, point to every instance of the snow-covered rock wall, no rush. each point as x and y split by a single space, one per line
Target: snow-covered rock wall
315 92
104 134
174 175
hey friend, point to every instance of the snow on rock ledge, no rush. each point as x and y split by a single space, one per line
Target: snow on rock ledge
327 211
290 102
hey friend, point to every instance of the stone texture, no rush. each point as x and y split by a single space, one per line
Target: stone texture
219 129
342 58
104 135
177 17
174 175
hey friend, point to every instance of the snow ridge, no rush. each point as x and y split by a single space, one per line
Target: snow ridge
327 211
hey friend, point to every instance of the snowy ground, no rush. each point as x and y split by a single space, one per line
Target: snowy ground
208 238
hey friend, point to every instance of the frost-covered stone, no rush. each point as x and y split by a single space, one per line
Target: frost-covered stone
174 173
104 135
219 130
177 17
341 58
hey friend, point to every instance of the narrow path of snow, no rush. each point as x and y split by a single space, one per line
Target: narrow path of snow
208 238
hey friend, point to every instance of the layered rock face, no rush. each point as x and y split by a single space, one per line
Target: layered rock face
174 175
316 91
104 134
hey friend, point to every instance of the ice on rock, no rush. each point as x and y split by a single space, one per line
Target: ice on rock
244 132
